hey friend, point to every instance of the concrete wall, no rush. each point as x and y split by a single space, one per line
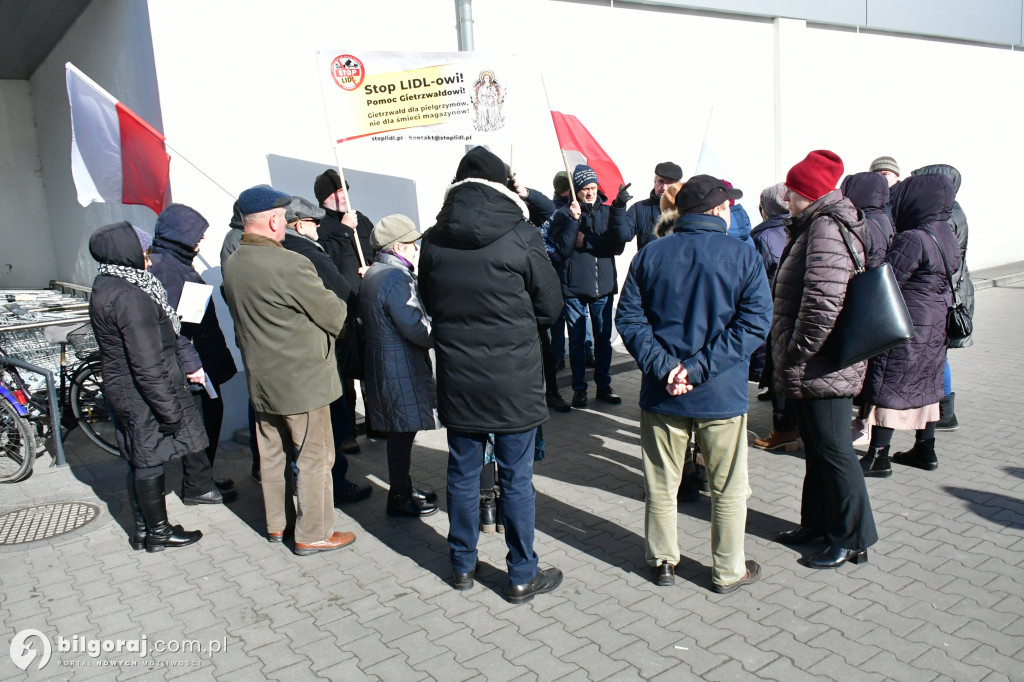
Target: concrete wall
110 42
25 240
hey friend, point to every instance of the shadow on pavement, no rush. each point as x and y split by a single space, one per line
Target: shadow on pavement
1002 509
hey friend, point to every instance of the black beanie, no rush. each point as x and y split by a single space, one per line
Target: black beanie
326 184
480 163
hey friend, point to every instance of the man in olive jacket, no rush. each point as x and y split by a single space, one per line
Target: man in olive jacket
286 324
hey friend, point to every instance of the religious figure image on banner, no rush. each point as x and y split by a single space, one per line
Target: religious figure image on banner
488 98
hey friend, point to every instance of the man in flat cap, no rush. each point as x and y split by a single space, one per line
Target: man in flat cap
286 324
694 307
643 215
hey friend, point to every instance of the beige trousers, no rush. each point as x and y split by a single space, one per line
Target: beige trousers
664 440
309 434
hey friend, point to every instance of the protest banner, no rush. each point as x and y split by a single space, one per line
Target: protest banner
460 97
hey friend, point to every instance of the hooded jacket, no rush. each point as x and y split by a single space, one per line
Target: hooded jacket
809 290
739 224
910 375
958 221
487 283
869 192
710 320
769 239
143 379
179 229
589 271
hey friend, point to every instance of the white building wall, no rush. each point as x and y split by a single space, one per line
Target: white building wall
110 42
25 241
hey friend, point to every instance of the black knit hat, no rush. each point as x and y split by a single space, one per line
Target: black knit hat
326 184
482 164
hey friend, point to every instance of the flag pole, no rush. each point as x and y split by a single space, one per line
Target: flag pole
348 202
565 161
181 156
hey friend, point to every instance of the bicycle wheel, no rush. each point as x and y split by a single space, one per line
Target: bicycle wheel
17 444
89 408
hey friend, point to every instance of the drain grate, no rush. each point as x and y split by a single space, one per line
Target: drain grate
45 521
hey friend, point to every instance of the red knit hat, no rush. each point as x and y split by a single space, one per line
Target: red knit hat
816 175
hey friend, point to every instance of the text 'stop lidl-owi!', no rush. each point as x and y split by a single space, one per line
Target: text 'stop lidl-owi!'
461 97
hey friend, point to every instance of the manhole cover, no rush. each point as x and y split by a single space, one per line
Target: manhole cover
44 521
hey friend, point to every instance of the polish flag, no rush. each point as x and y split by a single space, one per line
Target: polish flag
115 155
579 146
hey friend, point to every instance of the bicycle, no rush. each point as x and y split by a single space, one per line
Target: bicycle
79 401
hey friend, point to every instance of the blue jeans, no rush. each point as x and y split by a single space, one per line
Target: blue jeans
558 338
599 311
514 454
947 380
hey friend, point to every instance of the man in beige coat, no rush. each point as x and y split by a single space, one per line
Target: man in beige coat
286 324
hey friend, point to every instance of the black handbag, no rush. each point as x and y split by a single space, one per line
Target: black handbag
958 321
874 317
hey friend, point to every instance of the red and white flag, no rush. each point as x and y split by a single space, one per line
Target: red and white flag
115 155
580 146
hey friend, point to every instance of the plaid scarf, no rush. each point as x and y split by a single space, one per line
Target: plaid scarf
148 283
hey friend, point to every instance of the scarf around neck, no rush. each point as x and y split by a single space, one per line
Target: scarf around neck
148 283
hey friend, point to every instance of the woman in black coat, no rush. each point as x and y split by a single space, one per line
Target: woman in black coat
400 392
903 386
179 229
143 380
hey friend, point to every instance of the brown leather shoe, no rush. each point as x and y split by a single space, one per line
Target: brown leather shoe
752 574
338 540
277 536
779 439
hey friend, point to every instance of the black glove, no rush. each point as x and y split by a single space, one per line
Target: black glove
170 429
623 197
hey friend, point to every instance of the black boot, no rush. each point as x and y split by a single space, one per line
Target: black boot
488 511
876 462
922 456
947 414
159 533
404 503
138 536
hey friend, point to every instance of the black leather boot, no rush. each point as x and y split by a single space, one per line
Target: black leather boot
876 462
159 533
488 511
404 503
921 456
947 414
138 536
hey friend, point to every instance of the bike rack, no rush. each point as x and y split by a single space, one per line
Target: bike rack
51 393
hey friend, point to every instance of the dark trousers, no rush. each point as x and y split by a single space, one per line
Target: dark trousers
514 454
835 499
599 312
197 467
213 419
400 461
340 427
549 360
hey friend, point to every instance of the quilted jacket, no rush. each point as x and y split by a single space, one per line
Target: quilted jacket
809 290
910 375
400 391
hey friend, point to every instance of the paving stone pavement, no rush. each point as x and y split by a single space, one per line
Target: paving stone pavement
941 599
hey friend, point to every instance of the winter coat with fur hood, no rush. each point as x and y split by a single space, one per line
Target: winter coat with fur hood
486 282
809 290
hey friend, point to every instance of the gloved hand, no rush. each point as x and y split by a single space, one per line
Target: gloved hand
623 197
169 429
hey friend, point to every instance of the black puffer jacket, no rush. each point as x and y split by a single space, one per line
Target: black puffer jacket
910 375
142 377
179 229
589 271
809 291
870 193
400 391
958 221
487 283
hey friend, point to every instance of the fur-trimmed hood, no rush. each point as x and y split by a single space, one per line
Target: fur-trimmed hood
477 212
665 223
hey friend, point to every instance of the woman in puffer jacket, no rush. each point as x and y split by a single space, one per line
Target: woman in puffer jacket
400 391
155 418
904 384
809 291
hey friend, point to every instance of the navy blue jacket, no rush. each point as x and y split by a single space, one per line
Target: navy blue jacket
641 219
698 297
769 240
589 271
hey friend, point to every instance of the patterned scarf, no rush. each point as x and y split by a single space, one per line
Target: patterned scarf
148 283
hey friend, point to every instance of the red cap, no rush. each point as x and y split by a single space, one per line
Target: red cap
816 175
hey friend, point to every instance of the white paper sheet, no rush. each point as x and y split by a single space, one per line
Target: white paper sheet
194 299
